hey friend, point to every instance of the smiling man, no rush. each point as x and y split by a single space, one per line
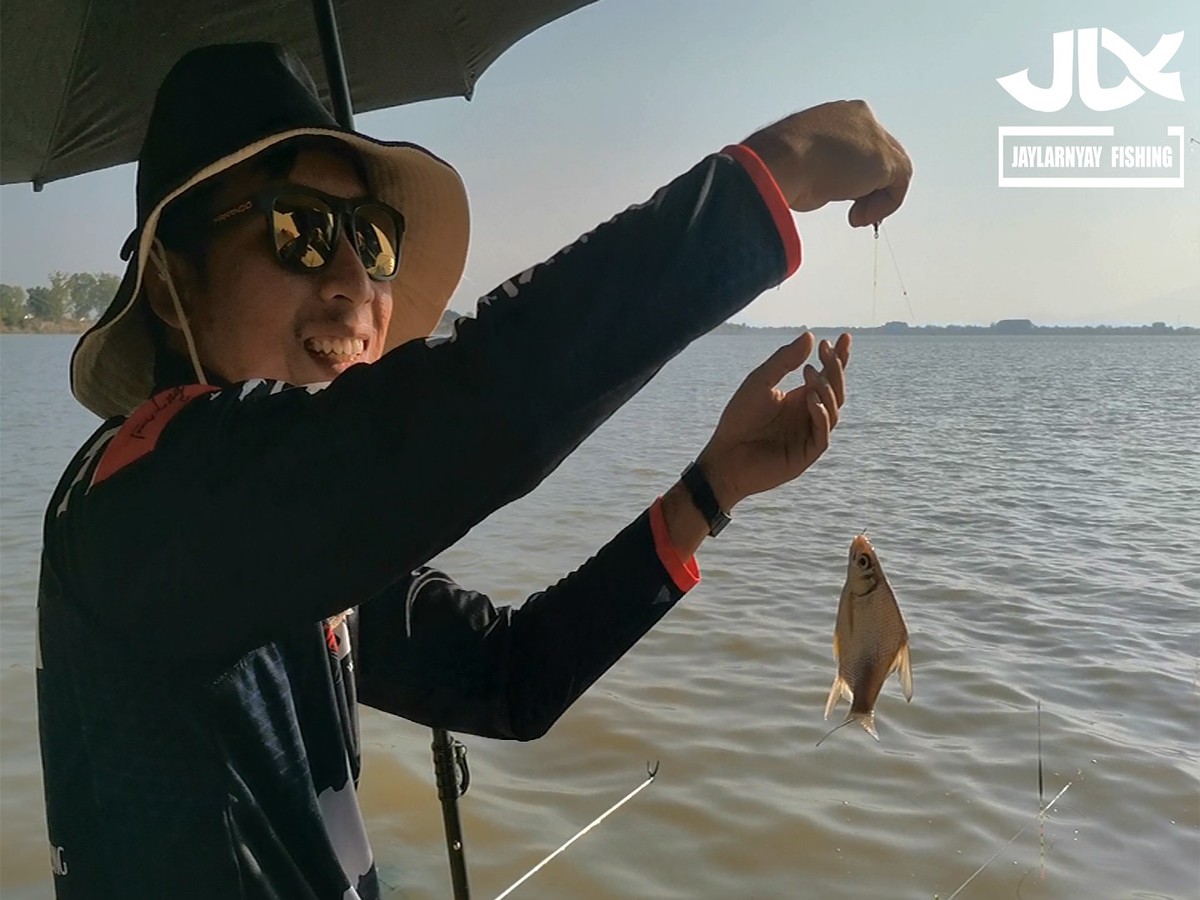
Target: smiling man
237 557
252 320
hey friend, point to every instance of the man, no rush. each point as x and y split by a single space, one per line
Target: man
232 563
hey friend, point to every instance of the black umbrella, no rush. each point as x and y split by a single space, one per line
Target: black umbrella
77 84
77 78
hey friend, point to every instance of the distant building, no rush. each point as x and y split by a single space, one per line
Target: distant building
895 328
1014 326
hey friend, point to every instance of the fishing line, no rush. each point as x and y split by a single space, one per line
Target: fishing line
849 719
1010 840
875 273
1020 888
651 772
899 277
1041 792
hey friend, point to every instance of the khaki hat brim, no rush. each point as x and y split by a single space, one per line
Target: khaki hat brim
112 368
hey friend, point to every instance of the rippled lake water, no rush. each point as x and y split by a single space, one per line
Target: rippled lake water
1036 504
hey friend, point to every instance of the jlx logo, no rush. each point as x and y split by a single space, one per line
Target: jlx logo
1147 70
1090 155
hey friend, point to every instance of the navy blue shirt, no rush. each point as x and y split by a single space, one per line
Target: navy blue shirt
228 572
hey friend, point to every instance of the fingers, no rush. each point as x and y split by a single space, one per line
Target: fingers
818 415
818 386
787 358
882 202
833 371
875 207
843 348
836 151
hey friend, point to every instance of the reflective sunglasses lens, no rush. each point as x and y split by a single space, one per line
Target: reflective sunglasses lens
377 235
302 227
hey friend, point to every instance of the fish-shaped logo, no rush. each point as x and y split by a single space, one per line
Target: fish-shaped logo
870 639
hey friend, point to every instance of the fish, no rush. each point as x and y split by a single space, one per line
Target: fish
870 639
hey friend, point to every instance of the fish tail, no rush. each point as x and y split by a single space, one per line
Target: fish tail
840 689
867 720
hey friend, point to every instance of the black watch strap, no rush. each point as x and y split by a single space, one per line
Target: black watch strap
701 491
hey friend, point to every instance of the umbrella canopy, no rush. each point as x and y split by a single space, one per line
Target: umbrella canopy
77 78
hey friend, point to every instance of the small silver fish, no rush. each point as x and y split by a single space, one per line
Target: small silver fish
870 640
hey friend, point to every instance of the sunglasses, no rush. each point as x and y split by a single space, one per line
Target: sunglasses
306 226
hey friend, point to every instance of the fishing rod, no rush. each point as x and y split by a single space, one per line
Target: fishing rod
991 858
1041 798
651 772
1043 808
453 778
449 755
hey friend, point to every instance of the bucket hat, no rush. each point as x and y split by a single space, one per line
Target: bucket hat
220 106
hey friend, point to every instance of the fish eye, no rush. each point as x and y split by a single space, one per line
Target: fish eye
864 561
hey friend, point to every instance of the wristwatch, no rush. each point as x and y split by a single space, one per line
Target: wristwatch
702 495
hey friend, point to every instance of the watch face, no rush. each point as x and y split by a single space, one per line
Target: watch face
720 520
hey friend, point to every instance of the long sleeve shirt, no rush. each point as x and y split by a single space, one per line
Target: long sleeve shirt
198 680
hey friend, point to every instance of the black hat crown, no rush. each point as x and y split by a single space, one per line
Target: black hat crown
215 101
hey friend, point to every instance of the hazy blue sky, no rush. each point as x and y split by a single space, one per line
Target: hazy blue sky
595 111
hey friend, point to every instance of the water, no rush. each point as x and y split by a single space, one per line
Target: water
1036 503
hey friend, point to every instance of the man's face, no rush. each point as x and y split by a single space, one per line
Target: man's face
252 318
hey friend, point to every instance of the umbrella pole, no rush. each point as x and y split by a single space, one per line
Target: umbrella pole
453 778
335 67
449 756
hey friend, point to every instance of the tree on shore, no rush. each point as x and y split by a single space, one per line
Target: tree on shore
58 298
39 303
91 293
12 305
79 296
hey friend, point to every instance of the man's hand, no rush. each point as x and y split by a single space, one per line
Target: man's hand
836 151
767 437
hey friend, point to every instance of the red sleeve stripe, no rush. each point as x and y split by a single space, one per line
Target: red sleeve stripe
773 197
141 431
685 573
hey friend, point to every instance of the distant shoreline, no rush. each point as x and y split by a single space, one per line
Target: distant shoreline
1009 328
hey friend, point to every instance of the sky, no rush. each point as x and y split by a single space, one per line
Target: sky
593 112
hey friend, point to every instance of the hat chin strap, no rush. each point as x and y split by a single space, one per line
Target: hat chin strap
158 255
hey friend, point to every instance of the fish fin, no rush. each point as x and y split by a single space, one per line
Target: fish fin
849 719
868 723
840 689
905 671
835 647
